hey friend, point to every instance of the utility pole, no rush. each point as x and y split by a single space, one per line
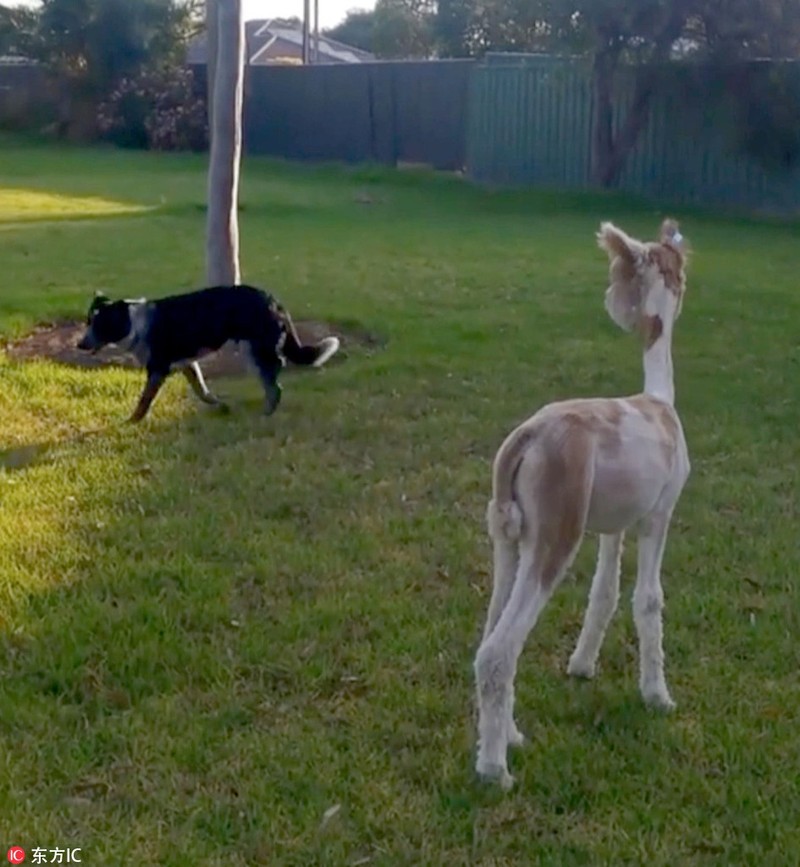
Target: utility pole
316 31
306 26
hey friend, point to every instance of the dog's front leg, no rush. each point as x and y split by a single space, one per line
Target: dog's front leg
154 382
272 388
269 365
194 375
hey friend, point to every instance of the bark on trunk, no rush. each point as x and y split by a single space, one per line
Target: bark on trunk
212 40
603 117
610 150
628 135
222 226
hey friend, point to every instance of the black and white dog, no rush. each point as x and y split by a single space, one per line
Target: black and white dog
171 333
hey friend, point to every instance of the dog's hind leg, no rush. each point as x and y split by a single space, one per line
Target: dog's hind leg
151 388
195 378
268 364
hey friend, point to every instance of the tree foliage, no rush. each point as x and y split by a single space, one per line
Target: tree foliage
157 109
394 29
17 30
91 45
96 42
356 30
403 29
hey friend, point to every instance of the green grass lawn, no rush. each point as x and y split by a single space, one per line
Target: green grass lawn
233 640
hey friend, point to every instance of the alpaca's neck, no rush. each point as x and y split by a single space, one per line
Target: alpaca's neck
658 379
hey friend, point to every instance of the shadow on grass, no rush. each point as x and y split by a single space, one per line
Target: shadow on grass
143 642
36 454
159 454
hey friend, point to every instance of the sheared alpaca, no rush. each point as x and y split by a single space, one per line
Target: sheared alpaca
599 464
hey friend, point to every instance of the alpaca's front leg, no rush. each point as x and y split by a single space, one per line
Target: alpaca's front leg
648 602
603 600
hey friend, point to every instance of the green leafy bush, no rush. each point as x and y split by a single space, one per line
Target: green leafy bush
156 109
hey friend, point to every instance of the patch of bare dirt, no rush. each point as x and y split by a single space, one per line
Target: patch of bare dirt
58 343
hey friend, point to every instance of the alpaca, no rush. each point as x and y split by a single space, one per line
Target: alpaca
598 464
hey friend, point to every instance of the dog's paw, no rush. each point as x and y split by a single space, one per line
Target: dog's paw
273 400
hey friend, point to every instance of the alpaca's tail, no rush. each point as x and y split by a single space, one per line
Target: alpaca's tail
503 515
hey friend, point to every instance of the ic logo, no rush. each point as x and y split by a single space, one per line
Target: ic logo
16 855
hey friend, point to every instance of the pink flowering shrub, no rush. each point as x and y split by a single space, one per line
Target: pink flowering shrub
156 109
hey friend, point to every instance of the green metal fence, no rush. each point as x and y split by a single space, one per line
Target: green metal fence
395 112
530 124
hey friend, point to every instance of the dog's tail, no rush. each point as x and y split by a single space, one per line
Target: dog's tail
306 355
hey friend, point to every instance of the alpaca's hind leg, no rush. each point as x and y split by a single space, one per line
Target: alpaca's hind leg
648 601
554 492
603 600
538 575
505 570
495 668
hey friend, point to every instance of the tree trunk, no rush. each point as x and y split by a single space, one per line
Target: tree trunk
222 226
628 135
610 150
602 135
212 41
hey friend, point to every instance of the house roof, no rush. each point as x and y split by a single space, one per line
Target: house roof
264 37
276 29
198 47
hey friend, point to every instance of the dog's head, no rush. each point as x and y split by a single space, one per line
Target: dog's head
106 322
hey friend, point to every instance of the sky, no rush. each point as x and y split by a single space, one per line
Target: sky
331 12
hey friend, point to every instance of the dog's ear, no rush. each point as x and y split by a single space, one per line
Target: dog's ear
98 302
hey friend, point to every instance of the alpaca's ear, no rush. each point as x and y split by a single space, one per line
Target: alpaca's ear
624 295
671 234
628 257
671 238
619 244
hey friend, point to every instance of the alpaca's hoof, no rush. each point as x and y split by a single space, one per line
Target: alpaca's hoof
515 736
579 667
495 774
659 699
